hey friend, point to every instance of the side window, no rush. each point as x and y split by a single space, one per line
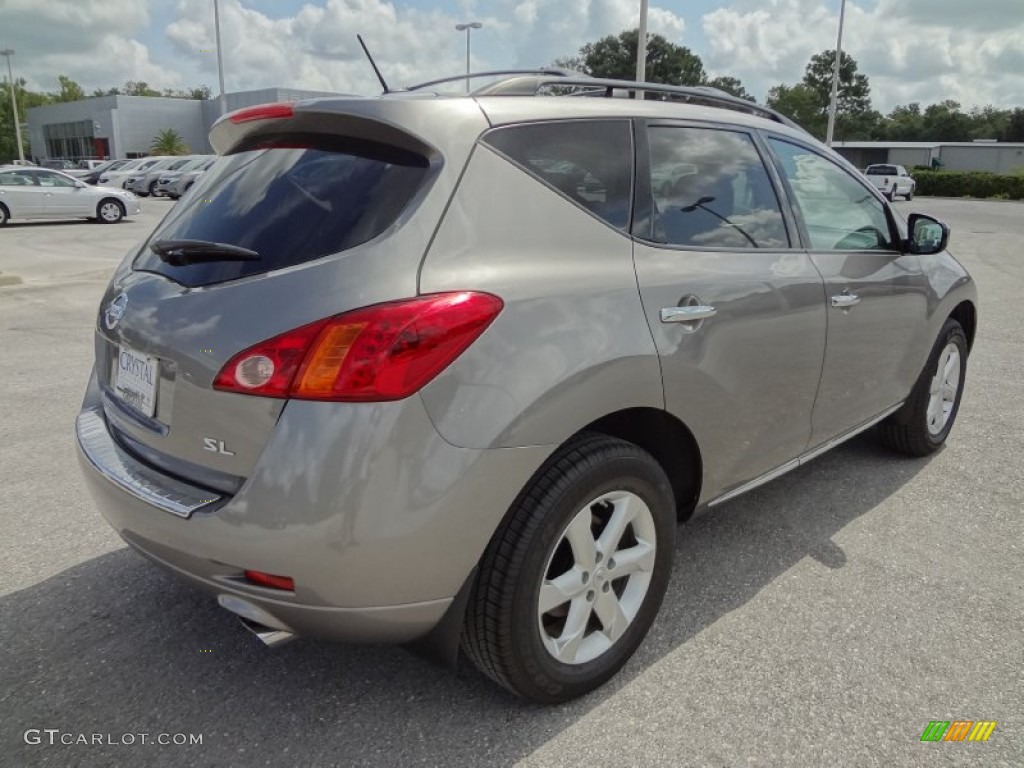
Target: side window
15 179
587 161
711 190
841 214
54 180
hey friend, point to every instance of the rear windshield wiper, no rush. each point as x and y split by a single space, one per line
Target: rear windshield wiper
179 253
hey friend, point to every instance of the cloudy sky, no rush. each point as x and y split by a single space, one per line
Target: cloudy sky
912 50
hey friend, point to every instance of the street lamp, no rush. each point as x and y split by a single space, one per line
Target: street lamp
220 58
8 52
641 44
468 27
834 102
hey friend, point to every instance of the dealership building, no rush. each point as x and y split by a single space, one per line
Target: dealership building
997 157
125 126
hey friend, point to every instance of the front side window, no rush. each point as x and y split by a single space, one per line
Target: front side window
711 190
587 161
841 214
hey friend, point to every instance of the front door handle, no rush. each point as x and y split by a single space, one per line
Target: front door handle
845 300
686 314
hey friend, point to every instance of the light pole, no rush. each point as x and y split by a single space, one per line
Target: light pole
8 52
641 44
220 58
834 102
469 28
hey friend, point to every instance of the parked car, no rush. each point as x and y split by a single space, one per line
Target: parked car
176 187
149 184
143 182
39 193
119 177
58 164
447 370
93 176
891 180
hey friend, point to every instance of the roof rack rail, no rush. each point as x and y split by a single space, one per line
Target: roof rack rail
543 71
530 84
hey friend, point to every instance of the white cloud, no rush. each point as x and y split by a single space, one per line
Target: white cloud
911 50
92 41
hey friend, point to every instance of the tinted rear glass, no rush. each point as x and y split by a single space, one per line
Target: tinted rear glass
882 170
587 161
290 204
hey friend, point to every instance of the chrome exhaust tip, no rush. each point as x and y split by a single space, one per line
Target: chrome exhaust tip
271 631
269 636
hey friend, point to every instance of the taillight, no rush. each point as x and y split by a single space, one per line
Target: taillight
384 352
262 112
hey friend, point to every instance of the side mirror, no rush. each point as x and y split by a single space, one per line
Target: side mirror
80 185
927 235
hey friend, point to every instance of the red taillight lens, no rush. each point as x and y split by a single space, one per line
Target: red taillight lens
384 352
262 112
271 581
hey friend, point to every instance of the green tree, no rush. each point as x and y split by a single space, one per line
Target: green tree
615 57
26 100
854 116
138 88
69 90
800 104
904 123
1014 129
945 122
731 85
168 142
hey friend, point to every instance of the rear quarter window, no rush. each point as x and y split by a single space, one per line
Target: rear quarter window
586 161
295 202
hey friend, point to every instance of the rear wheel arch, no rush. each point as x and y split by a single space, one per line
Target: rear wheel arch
669 441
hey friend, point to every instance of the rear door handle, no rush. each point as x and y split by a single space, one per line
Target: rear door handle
845 300
686 314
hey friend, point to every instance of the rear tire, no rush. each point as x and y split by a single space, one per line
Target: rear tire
553 615
924 422
5 215
910 194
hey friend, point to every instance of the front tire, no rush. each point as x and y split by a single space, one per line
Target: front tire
924 422
910 194
109 211
573 578
5 215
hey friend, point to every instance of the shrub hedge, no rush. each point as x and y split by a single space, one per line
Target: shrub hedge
969 184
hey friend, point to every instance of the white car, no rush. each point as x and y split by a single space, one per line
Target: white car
119 177
38 193
891 180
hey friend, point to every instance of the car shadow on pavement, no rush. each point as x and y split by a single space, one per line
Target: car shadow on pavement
116 647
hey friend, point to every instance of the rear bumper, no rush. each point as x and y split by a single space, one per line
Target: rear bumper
375 517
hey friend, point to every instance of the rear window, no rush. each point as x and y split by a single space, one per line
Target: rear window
881 170
293 203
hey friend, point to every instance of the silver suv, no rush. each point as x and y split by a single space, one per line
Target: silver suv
447 371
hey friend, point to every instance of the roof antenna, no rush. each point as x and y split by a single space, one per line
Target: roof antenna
373 64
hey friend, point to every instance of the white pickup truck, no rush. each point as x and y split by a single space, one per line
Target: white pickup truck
891 180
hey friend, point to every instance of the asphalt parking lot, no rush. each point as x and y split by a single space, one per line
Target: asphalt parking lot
822 620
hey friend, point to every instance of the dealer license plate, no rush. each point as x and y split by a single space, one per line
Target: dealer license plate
135 378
